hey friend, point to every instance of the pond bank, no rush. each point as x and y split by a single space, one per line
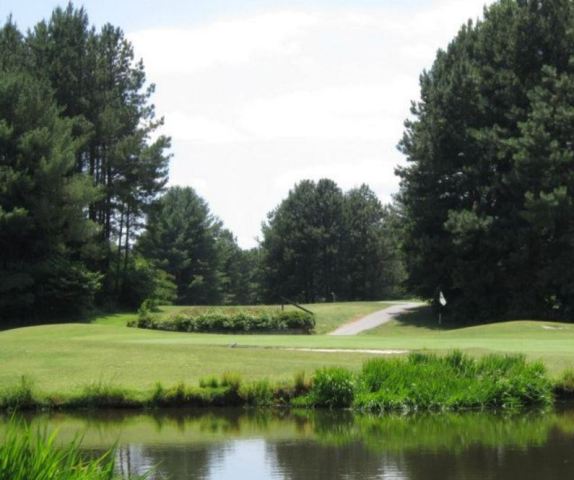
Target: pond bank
417 382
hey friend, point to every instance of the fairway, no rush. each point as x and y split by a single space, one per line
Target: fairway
65 358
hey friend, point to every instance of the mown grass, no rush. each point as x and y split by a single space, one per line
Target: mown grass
35 455
64 358
417 382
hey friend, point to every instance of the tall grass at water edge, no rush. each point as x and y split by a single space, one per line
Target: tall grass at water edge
417 382
455 381
29 455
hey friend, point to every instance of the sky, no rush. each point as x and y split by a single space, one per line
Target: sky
260 94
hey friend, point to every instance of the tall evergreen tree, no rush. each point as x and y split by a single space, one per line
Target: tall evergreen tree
302 243
371 265
102 89
482 219
321 244
43 229
92 83
180 238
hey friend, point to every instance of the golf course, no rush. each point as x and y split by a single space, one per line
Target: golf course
62 359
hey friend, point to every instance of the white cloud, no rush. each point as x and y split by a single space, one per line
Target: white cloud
225 42
351 111
257 103
187 127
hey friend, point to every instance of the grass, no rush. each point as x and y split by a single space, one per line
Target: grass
64 358
27 455
417 382
455 381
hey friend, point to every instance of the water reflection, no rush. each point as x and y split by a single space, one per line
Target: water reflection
239 444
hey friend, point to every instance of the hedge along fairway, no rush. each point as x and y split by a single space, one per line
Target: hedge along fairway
229 321
455 381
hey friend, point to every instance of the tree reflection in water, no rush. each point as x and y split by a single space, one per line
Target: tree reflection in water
290 445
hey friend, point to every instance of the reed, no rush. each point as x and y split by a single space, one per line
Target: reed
30 455
456 381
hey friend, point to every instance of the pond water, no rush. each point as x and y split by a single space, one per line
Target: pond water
260 444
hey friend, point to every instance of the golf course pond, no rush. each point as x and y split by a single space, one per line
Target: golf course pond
254 444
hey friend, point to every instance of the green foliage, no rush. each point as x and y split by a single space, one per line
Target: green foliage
103 91
103 395
423 382
228 321
181 238
333 388
143 281
78 168
301 384
209 382
212 392
43 229
419 382
258 393
20 397
27 455
487 196
231 380
321 244
565 385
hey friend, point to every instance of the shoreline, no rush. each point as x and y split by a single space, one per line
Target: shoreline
416 382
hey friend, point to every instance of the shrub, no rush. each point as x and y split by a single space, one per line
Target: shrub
226 321
332 387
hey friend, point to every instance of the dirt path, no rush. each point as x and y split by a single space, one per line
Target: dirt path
375 319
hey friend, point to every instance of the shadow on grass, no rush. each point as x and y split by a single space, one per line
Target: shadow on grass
425 317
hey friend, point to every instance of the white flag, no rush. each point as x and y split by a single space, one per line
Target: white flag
441 299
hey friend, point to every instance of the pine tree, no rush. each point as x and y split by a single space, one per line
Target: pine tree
43 228
476 147
103 90
180 238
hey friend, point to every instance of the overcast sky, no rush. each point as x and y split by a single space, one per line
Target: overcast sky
258 95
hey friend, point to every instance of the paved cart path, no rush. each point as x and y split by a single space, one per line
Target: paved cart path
375 319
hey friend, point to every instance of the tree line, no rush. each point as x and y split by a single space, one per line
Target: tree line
485 212
78 166
85 218
319 244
